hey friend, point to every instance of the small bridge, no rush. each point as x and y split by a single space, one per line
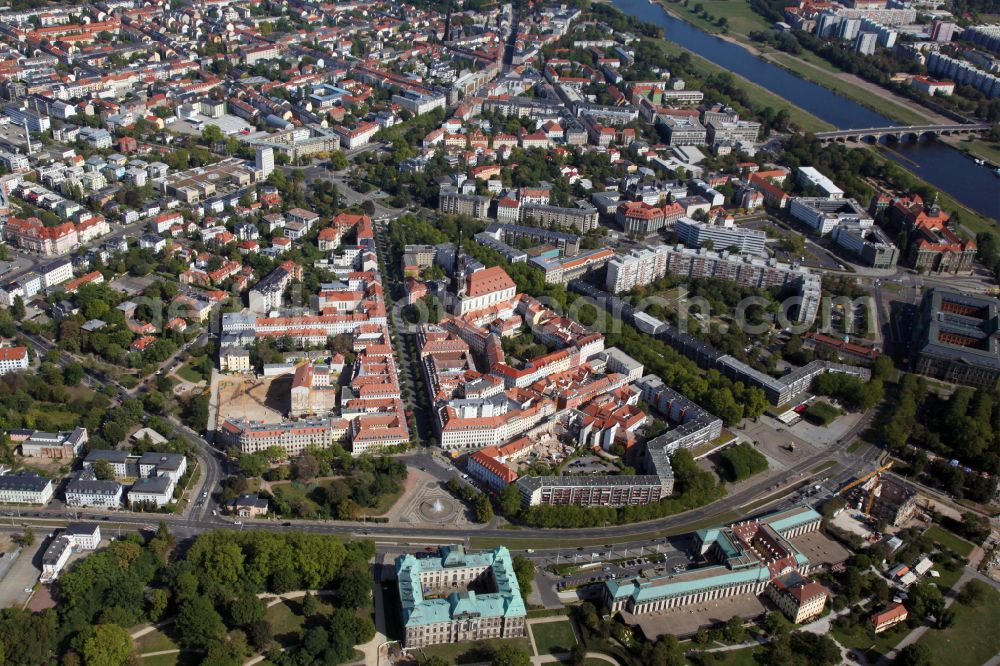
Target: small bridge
902 132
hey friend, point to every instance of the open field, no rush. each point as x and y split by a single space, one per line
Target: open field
553 637
949 540
263 400
972 639
742 19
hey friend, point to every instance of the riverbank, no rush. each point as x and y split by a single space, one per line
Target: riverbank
757 94
972 222
767 83
981 148
808 66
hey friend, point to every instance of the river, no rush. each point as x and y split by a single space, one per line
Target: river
939 164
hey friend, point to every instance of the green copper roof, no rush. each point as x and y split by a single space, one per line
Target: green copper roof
417 611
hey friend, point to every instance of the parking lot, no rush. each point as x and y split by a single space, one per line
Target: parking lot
610 562
589 465
23 574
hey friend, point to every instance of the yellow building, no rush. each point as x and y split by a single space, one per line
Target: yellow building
799 598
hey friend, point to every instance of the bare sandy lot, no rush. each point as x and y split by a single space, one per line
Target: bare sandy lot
264 399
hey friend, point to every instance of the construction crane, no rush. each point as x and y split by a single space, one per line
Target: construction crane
871 500
866 477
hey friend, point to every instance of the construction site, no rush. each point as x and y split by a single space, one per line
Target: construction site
246 396
876 500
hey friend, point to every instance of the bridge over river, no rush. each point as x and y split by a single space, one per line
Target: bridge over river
902 132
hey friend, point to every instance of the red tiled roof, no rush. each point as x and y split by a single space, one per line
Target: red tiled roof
488 281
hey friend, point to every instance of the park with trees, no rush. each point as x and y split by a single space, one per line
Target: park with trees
215 594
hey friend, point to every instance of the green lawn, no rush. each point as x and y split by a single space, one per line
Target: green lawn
470 652
154 641
188 373
553 637
973 637
948 577
742 18
987 150
874 646
385 502
856 445
823 466
949 540
296 491
287 621
822 413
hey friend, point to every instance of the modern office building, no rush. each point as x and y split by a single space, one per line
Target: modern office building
683 130
723 236
455 596
741 133
811 178
823 214
957 338
264 160
870 245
